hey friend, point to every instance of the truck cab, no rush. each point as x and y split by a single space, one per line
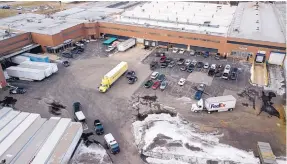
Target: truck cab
104 85
198 106
112 143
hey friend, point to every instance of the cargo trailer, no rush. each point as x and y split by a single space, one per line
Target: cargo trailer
53 66
19 59
13 136
265 153
65 148
36 57
26 73
28 152
48 70
123 46
12 125
8 118
4 111
47 149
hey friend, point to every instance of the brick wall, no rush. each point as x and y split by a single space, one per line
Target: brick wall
15 43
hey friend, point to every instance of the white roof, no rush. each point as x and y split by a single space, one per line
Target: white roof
262 24
114 70
188 15
7 118
80 115
220 98
110 139
4 111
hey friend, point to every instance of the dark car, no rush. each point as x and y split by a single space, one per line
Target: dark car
17 91
199 92
171 64
163 65
206 54
153 65
148 84
180 61
200 64
161 77
234 73
6 7
66 63
183 68
217 56
132 79
211 72
99 128
190 68
168 60
130 74
156 85
67 55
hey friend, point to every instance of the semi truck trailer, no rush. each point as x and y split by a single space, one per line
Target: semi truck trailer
113 76
123 46
26 73
215 104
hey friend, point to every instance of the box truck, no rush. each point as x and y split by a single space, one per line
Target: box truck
215 104
123 46
112 76
26 73
47 70
53 66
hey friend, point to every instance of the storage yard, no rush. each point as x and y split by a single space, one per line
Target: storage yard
142 96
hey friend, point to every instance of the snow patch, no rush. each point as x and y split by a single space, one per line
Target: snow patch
163 138
276 80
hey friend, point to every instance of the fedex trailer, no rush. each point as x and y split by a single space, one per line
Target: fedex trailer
215 104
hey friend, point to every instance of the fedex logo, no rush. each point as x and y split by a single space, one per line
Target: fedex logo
220 105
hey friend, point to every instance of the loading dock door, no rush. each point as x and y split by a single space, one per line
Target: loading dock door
276 58
196 48
160 43
117 36
179 46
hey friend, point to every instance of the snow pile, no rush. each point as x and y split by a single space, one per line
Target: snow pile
90 155
165 139
277 81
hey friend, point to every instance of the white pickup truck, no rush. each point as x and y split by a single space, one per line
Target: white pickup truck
215 104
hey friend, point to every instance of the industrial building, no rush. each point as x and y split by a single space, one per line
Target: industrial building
235 31
28 138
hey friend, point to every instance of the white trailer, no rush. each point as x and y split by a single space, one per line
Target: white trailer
45 152
26 73
53 66
215 104
15 148
27 153
8 118
20 59
9 140
123 46
65 148
12 125
48 70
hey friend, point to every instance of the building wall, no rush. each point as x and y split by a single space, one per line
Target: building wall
15 43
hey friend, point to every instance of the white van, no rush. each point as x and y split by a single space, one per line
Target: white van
226 72
112 143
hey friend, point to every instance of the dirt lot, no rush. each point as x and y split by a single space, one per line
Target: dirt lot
242 128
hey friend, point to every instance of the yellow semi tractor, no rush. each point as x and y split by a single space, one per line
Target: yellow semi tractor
113 76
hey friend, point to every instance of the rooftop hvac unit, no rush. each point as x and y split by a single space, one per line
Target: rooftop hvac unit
257 28
257 21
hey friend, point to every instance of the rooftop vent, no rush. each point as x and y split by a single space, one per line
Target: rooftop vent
257 21
236 30
257 28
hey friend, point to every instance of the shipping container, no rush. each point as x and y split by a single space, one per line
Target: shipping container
4 111
19 59
9 140
64 149
36 57
8 118
123 46
27 153
45 152
48 70
53 66
12 125
26 73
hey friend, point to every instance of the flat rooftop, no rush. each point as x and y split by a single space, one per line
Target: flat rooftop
4 34
194 17
257 22
38 23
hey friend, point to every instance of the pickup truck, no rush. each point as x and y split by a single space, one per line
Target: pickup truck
99 128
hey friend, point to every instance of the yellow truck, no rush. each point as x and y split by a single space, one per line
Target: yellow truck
113 76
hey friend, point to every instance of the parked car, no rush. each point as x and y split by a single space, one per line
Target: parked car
234 73
153 65
199 65
190 68
171 64
67 54
163 85
17 90
163 65
217 56
130 74
99 128
199 92
19 8
187 62
132 79
161 77
192 53
168 60
110 48
181 51
180 61
6 7
174 50
206 54
156 85
226 72
206 66
148 84
194 62
154 75
159 54
181 81
212 69
162 59
183 68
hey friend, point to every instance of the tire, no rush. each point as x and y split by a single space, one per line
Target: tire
231 109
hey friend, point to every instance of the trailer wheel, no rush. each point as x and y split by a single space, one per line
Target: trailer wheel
231 109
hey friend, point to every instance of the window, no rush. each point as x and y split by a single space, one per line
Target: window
257 45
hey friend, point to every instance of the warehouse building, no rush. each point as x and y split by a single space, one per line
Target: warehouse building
235 31
27 138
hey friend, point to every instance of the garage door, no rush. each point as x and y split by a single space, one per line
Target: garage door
179 46
160 43
196 48
276 58
117 36
150 43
